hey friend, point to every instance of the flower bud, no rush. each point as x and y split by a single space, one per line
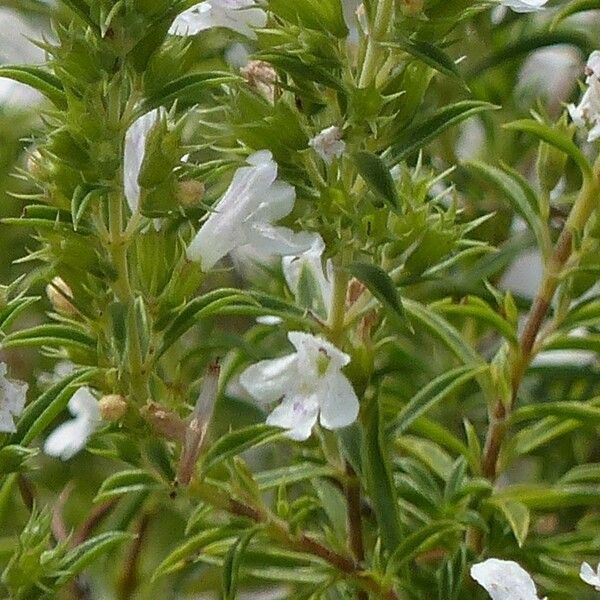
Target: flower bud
113 407
60 294
262 77
190 193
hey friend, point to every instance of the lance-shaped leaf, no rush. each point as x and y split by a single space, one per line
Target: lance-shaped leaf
517 515
554 138
379 283
572 8
432 394
82 10
187 90
378 473
236 442
50 335
13 309
416 136
233 561
126 482
39 79
430 55
377 176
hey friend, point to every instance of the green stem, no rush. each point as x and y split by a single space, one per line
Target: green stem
118 247
581 212
338 305
379 27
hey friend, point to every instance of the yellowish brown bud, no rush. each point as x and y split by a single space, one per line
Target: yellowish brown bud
60 296
190 193
113 407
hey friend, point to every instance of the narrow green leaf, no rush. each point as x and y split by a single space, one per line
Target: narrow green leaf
237 442
126 482
528 43
516 195
433 393
517 516
14 457
187 90
377 176
378 475
420 541
233 560
82 10
572 8
380 285
420 134
89 551
429 54
13 309
185 553
40 413
50 335
554 138
38 79
292 474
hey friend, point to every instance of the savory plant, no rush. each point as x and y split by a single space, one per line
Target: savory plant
309 306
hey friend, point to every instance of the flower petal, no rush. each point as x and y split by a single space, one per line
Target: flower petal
590 576
68 439
296 414
83 404
339 403
524 6
12 400
135 149
270 380
504 580
227 227
268 239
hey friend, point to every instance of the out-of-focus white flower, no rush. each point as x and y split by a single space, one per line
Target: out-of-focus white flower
71 437
328 144
245 214
62 369
309 282
587 113
550 73
242 16
504 580
590 576
135 149
12 400
524 6
310 385
15 47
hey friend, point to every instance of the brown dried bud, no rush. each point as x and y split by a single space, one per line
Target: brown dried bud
169 424
60 296
190 193
262 77
113 407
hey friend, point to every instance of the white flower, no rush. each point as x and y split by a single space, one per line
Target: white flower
504 580
12 400
328 144
244 215
592 68
135 149
590 576
242 16
306 278
587 113
524 6
310 385
72 436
